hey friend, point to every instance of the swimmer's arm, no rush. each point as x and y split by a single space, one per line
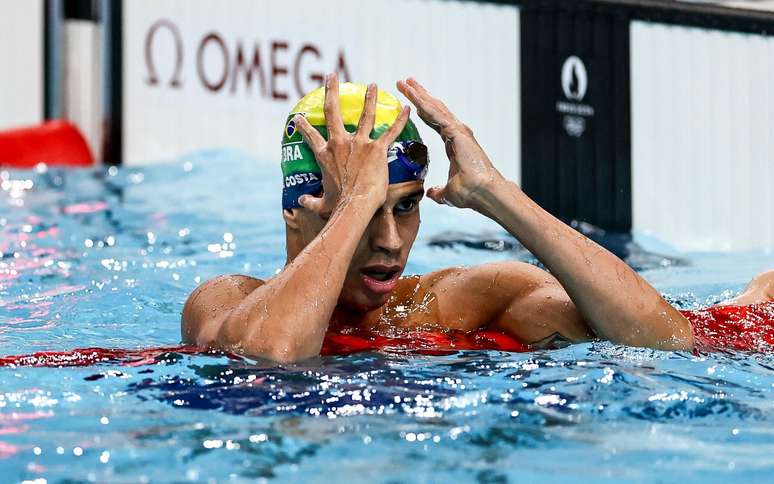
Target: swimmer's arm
612 299
286 318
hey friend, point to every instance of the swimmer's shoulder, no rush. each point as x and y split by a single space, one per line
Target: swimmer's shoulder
210 304
507 275
475 296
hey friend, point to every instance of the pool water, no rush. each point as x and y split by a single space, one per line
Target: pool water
106 258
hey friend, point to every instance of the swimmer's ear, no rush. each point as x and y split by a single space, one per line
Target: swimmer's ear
291 216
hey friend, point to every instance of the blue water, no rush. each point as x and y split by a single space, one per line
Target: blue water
107 258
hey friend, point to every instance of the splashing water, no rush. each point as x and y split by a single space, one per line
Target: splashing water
105 259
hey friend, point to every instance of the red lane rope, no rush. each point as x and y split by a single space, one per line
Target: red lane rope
93 356
740 328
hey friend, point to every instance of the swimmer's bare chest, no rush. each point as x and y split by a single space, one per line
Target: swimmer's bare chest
413 305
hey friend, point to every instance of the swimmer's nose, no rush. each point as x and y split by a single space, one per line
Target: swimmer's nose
384 234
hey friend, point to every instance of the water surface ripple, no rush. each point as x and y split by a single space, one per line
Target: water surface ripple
106 258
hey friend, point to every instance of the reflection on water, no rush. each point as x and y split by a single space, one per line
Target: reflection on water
107 258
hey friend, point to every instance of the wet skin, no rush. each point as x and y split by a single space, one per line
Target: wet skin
347 250
462 298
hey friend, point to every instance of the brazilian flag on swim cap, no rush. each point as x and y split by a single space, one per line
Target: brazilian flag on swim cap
300 172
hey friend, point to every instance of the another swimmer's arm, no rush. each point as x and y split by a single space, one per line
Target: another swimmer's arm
615 301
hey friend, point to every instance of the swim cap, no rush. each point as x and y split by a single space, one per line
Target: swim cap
406 157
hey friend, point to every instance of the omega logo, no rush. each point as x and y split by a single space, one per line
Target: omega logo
153 78
263 64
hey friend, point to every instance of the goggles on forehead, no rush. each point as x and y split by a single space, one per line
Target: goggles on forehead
407 161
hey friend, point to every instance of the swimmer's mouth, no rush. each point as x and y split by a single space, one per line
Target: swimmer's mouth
381 273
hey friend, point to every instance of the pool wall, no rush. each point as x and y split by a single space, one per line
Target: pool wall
633 115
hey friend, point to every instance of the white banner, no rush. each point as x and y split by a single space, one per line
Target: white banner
201 75
21 61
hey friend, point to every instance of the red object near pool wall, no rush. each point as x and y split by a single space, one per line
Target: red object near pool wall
56 143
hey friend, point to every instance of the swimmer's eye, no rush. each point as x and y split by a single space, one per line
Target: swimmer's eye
406 206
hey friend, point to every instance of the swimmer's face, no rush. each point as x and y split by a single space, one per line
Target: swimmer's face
382 252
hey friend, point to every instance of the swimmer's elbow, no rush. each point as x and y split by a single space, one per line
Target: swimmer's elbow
682 338
251 341
676 334
677 342
282 352
290 354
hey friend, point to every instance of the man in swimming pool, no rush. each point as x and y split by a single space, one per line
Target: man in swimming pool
347 246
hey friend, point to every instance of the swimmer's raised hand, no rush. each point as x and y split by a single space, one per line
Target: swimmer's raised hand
470 170
353 165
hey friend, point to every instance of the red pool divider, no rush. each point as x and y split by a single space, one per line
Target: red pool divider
94 356
422 342
720 328
56 143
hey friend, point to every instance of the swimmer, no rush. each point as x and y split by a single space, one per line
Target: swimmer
354 167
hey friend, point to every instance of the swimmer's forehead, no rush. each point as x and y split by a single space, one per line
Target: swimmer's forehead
409 188
351 98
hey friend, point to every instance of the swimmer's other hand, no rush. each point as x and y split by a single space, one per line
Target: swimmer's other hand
470 171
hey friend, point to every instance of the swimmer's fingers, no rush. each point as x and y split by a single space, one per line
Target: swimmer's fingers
436 105
314 204
387 138
419 87
312 137
366 124
430 109
410 93
438 195
332 107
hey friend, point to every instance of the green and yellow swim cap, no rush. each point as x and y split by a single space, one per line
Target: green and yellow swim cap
300 170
